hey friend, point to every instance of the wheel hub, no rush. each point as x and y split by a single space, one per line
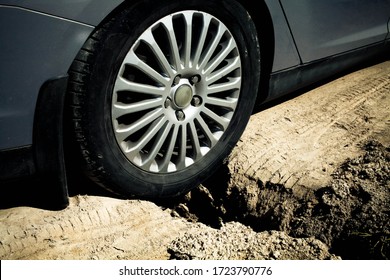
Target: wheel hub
182 96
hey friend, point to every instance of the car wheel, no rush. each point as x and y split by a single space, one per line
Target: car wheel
161 93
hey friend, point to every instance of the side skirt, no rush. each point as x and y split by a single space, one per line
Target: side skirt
290 80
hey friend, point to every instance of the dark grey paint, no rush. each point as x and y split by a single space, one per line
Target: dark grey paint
87 11
326 28
284 43
33 49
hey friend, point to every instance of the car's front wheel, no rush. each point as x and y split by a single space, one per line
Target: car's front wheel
162 92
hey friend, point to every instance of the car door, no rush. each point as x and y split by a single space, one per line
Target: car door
325 28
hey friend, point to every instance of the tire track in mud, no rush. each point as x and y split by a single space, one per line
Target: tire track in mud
90 228
299 143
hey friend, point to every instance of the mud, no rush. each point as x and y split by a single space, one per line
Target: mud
309 179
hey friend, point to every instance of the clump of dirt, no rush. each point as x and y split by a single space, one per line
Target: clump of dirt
351 215
361 192
234 241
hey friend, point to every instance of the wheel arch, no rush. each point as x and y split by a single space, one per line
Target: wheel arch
260 13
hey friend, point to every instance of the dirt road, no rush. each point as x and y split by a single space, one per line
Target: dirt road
309 179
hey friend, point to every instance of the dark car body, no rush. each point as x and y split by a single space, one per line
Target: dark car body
302 42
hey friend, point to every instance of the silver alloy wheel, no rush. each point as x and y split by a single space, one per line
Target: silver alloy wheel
176 92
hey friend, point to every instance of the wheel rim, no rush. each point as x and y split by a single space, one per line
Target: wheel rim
176 92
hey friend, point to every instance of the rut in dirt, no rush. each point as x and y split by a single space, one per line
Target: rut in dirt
90 228
351 214
312 166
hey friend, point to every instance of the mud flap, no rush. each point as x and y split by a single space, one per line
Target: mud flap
49 143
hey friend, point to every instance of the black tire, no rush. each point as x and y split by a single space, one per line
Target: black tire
183 109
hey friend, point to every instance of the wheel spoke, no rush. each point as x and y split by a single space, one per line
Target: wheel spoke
148 38
119 110
123 131
136 148
169 152
133 60
159 141
232 65
202 39
223 122
226 49
213 46
188 40
205 128
173 44
232 84
230 103
122 84
194 138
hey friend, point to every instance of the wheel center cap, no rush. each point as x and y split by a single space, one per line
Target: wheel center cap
183 96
